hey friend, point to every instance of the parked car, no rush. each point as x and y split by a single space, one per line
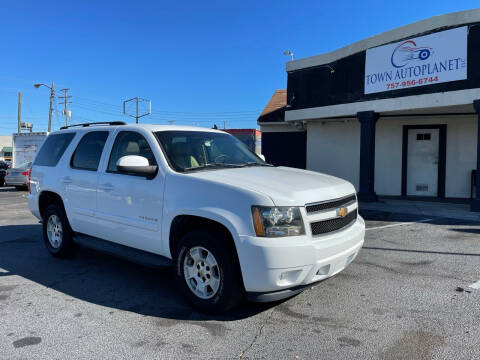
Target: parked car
3 169
231 225
19 177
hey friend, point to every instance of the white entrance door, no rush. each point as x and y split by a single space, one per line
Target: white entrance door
422 162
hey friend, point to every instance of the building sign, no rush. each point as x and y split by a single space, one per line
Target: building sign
425 60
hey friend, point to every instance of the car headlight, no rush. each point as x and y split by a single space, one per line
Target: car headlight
277 221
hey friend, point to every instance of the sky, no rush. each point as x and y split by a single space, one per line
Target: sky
199 62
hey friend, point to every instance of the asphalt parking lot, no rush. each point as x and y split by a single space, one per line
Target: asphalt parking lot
402 298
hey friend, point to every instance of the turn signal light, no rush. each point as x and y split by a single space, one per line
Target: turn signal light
257 222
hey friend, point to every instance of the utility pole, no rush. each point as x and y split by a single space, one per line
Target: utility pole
224 125
52 96
138 100
65 98
19 115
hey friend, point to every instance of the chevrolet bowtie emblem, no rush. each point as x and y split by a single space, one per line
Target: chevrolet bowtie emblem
342 212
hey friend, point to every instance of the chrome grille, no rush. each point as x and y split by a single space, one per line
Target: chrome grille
331 204
330 225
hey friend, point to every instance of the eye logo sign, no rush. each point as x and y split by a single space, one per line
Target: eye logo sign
408 51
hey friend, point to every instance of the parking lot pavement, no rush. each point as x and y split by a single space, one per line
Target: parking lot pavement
401 298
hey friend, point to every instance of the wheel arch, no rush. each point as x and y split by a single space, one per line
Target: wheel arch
183 223
48 197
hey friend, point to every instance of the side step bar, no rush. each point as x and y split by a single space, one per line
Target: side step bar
125 252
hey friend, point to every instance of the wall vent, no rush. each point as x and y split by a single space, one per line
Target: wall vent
421 187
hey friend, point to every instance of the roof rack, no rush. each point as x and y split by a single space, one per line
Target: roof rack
95 123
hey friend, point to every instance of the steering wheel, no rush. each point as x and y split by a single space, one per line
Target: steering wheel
222 156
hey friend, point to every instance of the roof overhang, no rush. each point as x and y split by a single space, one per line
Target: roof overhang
460 101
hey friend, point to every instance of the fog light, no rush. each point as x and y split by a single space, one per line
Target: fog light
289 277
324 270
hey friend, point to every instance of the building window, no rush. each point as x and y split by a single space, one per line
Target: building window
423 136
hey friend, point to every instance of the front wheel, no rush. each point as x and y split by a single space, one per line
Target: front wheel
207 272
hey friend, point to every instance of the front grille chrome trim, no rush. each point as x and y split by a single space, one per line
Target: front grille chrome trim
329 205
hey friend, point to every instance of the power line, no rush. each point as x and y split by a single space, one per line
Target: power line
165 112
164 117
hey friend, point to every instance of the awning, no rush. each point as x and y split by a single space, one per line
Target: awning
7 149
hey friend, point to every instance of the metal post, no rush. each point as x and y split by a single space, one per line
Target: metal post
136 116
19 115
52 95
66 109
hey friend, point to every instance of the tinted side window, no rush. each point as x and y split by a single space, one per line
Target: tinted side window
129 143
53 149
89 150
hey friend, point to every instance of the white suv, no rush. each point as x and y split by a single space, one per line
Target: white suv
198 199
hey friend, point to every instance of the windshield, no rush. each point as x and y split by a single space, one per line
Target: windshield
198 150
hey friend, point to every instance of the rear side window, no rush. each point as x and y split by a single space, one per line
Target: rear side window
89 150
53 149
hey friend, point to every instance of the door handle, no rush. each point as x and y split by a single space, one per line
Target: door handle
106 187
67 180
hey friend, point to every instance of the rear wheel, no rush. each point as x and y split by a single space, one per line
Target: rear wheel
207 272
57 234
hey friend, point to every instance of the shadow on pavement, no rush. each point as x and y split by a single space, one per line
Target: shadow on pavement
8 189
101 279
467 230
421 251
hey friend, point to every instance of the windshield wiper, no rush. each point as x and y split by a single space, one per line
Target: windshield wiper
212 166
254 163
225 165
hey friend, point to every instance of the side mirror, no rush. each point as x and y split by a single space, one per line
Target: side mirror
261 156
137 165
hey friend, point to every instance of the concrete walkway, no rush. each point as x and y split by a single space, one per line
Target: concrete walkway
422 208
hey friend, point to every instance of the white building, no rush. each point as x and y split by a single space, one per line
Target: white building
396 114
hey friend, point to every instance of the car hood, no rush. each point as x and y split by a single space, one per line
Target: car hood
285 186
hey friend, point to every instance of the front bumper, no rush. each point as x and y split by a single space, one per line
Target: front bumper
282 267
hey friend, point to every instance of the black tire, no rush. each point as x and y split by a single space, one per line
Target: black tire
19 188
67 247
2 182
230 291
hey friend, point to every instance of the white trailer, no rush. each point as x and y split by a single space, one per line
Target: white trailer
25 146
